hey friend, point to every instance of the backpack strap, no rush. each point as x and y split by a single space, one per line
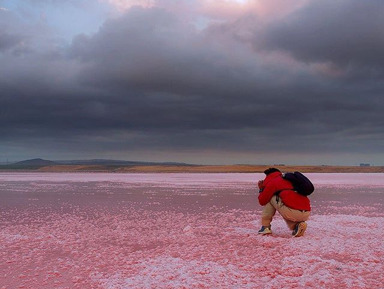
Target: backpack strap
277 194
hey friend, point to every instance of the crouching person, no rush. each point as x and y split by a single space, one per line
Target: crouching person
277 194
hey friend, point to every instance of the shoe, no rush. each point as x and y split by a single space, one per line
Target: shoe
299 229
265 230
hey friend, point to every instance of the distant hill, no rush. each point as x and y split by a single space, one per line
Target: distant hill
35 162
94 164
30 164
105 162
102 165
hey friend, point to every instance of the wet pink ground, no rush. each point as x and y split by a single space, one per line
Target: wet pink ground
184 231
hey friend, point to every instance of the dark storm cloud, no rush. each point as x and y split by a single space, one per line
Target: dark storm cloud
11 36
155 51
8 41
347 32
179 76
151 80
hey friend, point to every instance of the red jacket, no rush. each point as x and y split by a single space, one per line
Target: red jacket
274 182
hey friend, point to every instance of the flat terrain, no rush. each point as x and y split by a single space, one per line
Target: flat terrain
195 168
144 231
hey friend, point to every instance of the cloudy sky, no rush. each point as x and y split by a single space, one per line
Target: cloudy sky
197 81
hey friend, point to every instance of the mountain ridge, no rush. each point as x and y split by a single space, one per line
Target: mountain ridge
39 162
119 166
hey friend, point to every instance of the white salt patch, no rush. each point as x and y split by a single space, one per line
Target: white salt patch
187 230
11 238
169 272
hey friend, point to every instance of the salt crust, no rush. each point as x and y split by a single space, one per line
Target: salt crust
130 245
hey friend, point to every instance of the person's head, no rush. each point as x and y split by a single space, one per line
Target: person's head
271 170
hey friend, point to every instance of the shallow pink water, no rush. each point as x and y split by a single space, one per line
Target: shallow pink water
184 231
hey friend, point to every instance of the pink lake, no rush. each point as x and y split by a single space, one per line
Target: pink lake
115 231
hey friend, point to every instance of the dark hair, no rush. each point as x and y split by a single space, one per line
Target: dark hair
271 170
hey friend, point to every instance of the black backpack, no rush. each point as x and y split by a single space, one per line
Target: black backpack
301 183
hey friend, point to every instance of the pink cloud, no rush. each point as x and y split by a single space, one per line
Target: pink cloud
217 9
328 69
276 8
122 5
